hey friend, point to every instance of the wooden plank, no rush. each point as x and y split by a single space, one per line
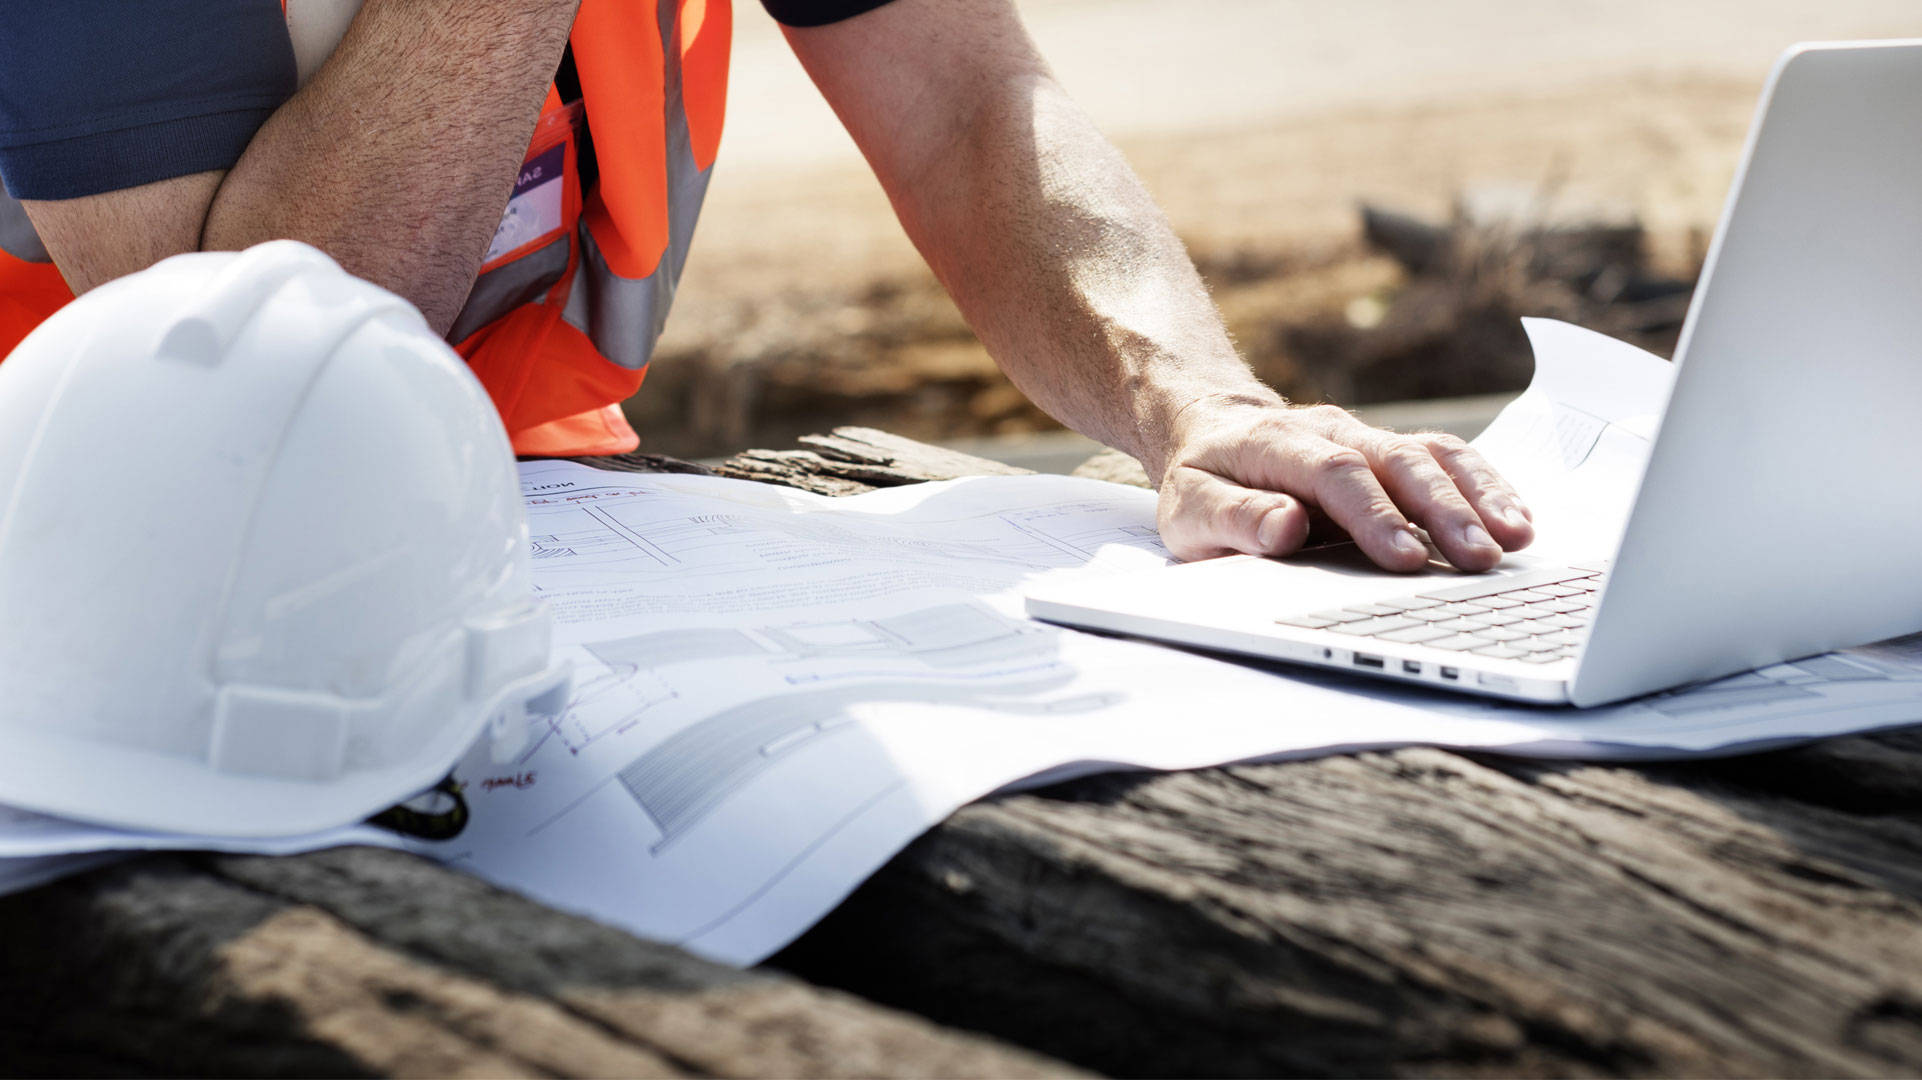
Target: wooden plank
359 962
853 459
1420 912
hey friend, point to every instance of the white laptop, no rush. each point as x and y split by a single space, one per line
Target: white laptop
1780 514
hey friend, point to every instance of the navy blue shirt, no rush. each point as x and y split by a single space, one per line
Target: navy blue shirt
99 95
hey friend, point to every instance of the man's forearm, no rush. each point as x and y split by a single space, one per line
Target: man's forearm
397 157
1074 281
1070 274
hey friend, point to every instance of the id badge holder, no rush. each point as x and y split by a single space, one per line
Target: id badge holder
546 202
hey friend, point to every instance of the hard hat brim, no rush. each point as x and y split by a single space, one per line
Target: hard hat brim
113 785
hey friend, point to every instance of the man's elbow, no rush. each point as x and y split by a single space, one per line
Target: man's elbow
97 238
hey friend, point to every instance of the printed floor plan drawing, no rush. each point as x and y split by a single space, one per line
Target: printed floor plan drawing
1797 683
606 703
944 638
638 528
946 654
682 779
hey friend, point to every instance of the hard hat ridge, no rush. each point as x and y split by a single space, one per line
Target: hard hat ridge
207 328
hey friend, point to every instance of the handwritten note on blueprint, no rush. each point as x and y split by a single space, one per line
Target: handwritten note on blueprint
776 691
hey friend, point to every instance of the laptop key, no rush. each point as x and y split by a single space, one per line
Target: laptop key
1489 586
1566 622
1431 615
1460 626
1339 616
1415 635
1413 603
1500 652
1463 609
1498 603
1373 609
1371 627
1498 635
1560 590
1458 643
1528 596
1499 618
1541 658
1563 607
1308 622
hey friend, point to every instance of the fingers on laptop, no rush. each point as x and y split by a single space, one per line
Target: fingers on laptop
1203 515
1428 495
1501 509
1435 480
1342 481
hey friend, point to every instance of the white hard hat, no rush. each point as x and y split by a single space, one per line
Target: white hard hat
263 558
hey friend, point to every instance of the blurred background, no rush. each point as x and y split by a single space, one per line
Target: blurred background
1375 191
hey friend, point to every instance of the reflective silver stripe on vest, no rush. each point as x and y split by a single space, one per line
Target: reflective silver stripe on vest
624 316
508 286
17 237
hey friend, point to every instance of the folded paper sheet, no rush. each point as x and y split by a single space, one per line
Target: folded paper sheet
776 691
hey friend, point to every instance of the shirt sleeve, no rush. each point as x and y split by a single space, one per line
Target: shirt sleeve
817 12
99 95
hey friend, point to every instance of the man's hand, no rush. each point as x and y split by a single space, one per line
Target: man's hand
1074 281
1250 475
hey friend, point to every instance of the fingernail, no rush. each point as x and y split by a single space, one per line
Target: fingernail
1406 543
1270 532
1514 516
1475 536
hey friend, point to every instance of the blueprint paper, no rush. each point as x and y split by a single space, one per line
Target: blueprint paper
776 691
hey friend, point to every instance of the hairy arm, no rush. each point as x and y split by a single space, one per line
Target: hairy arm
1057 256
395 159
1076 284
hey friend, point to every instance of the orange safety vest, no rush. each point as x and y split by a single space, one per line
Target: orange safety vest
559 326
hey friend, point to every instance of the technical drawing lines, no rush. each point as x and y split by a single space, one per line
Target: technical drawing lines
575 543
1068 530
606 704
690 774
1730 694
660 648
1783 684
949 636
587 532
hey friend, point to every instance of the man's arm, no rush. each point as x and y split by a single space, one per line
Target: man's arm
395 159
1074 281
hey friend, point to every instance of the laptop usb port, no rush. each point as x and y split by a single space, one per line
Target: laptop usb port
1451 673
1411 667
1364 660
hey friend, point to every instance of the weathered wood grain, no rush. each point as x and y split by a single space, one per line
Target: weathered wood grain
855 459
1421 912
358 962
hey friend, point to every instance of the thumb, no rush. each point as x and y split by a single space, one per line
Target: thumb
1202 516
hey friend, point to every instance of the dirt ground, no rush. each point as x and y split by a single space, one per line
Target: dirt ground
1261 127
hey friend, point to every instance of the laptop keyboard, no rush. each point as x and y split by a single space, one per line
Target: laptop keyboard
1537 616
